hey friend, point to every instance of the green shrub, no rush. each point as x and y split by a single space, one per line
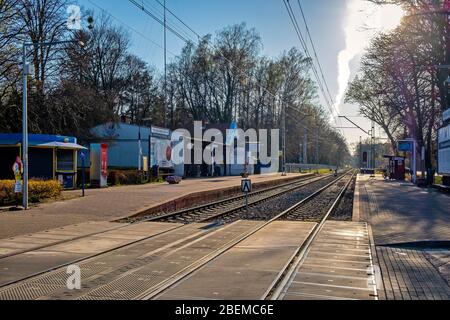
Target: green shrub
124 177
38 190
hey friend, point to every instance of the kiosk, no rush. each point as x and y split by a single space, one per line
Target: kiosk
51 157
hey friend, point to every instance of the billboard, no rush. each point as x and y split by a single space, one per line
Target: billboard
444 151
161 153
161 148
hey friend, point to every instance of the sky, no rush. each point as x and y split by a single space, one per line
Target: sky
341 30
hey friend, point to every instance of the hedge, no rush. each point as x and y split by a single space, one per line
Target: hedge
38 190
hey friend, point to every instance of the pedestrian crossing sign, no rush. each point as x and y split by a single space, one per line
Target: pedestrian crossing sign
246 185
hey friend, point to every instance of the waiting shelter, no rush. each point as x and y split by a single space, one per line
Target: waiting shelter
50 157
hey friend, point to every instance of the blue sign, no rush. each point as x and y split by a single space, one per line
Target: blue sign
406 146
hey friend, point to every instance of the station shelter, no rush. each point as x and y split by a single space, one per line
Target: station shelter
396 168
51 157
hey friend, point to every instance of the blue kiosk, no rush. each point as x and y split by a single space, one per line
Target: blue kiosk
50 157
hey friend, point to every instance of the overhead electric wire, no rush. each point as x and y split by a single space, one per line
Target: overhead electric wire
318 62
130 27
241 72
169 21
308 55
181 21
305 47
151 14
315 52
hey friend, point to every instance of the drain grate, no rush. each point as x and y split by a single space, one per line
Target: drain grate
28 291
91 298
56 278
126 288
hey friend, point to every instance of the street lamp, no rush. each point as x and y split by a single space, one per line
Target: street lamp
26 71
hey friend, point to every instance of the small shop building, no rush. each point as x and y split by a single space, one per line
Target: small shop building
51 157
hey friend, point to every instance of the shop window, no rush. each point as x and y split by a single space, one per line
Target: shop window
65 160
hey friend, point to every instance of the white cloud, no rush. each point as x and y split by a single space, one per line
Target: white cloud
362 21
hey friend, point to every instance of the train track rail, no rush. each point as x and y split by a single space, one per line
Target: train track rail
302 212
192 214
149 289
233 209
174 280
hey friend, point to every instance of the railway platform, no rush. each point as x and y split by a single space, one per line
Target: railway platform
411 231
114 203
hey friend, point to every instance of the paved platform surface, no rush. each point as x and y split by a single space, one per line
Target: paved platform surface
128 273
401 213
26 264
337 267
407 223
33 241
247 271
111 204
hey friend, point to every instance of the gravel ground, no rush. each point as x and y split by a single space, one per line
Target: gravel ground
315 210
344 211
273 207
441 261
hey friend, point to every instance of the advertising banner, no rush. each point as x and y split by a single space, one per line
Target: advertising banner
161 148
444 151
161 153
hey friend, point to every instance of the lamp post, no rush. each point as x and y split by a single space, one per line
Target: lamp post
447 86
26 71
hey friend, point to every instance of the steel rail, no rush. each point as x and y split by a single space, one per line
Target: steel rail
286 277
182 274
88 257
198 211
156 218
167 283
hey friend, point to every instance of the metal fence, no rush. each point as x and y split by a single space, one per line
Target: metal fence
295 167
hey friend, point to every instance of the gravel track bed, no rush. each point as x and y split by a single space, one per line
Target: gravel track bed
315 210
273 207
344 211
194 214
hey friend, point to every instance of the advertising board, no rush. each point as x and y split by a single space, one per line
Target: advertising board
444 151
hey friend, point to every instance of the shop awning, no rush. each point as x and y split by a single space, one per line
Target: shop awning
62 145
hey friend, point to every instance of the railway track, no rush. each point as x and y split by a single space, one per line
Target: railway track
190 215
301 211
230 210
335 262
337 186
131 271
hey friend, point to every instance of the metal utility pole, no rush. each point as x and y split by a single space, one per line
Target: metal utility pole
373 158
165 65
25 72
317 147
447 30
360 153
283 108
139 135
305 148
447 51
